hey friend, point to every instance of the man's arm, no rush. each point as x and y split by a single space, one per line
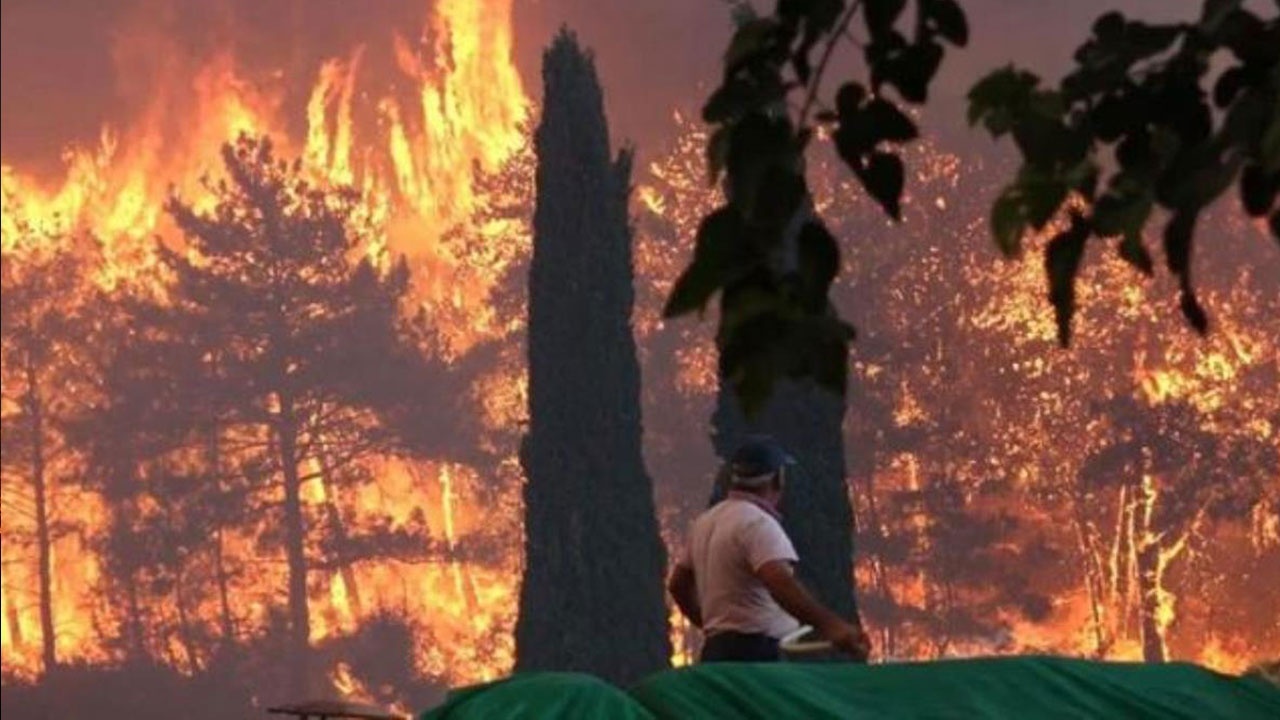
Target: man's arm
684 590
780 580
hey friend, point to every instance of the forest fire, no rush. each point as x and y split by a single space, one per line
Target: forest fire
1118 501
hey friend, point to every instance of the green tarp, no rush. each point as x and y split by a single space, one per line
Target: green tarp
1010 687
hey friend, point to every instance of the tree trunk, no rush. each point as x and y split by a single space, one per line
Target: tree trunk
463 580
185 632
14 619
1093 576
136 640
227 622
1147 549
888 631
1153 646
340 542
44 540
226 619
295 551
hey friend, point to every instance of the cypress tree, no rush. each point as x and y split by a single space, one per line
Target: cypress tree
592 598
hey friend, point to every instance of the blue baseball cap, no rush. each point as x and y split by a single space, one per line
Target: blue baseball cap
757 461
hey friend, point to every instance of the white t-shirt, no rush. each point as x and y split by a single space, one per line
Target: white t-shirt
727 544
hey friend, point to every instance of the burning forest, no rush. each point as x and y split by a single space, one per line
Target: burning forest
266 390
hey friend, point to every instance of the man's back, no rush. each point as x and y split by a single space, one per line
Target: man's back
727 544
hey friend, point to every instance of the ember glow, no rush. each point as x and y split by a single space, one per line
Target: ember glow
1004 497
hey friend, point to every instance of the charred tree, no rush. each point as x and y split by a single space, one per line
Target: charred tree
808 421
592 597
46 377
314 357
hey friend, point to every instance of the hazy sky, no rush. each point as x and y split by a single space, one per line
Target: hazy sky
63 73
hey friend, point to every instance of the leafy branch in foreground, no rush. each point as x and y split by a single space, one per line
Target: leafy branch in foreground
1141 92
1168 116
766 251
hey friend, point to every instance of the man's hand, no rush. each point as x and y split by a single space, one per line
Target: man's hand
779 578
849 638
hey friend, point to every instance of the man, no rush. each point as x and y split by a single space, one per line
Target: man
736 581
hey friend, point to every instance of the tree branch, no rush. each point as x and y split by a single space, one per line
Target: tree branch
841 28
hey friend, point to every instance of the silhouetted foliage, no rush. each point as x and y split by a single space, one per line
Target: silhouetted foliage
1139 92
300 337
1187 110
766 250
48 376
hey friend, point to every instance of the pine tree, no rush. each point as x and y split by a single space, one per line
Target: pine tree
47 377
592 598
315 363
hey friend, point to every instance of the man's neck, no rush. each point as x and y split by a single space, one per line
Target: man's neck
758 500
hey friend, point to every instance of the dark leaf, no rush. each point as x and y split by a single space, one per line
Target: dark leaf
998 98
1182 107
1082 178
880 15
849 99
862 128
1123 211
1044 140
1177 241
883 178
1062 264
881 53
1246 121
1275 225
1250 38
949 18
912 71
751 39
1229 83
1134 252
1258 190
1134 152
1109 28
1114 116
1192 310
727 102
1008 221
1195 179
1041 194
742 94
719 256
888 122
1146 40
